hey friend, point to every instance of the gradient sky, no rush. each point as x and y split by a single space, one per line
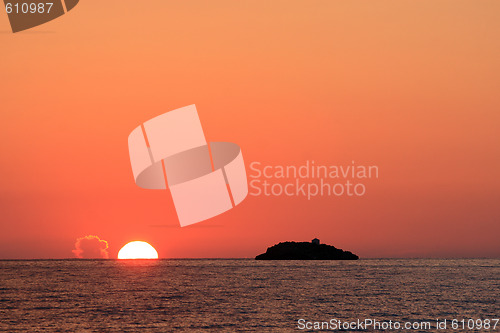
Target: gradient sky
410 86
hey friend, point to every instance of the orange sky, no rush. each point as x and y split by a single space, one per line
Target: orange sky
410 86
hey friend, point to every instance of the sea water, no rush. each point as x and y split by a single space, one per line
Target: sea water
226 295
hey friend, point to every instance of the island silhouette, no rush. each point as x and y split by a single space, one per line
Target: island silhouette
305 251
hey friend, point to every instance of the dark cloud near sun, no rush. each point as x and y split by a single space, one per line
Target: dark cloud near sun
91 247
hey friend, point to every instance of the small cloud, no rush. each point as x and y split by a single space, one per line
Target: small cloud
91 247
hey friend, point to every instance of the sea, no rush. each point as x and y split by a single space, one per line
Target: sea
245 295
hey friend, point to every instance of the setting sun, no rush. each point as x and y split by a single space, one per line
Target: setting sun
137 250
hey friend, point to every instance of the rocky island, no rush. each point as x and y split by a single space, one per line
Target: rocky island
305 251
